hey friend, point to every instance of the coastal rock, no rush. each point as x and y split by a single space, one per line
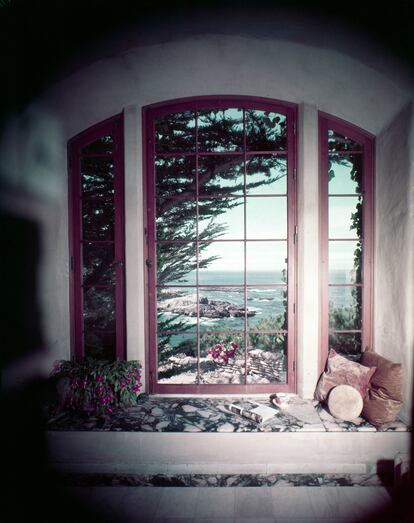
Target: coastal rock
187 305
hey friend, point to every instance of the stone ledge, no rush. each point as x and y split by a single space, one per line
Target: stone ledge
200 415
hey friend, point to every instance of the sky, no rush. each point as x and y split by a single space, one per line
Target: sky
266 219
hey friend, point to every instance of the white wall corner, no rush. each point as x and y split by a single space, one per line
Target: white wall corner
308 310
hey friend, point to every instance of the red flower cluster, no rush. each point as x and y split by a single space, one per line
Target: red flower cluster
222 352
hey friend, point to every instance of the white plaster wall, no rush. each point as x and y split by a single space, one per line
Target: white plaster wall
318 78
394 260
242 453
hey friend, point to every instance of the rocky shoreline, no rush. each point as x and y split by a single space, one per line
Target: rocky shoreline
187 305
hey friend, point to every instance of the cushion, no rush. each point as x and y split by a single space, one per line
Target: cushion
341 371
385 396
345 402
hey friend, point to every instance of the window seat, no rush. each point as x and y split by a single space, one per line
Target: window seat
211 414
197 441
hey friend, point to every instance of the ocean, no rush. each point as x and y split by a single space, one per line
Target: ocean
264 301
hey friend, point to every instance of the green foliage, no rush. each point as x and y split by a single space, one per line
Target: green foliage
346 345
96 386
344 318
166 350
272 342
225 338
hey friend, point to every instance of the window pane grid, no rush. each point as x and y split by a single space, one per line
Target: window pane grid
96 193
201 246
200 152
345 310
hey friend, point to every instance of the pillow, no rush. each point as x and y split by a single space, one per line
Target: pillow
385 396
345 403
341 371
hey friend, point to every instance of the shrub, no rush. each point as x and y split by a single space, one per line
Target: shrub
96 386
274 342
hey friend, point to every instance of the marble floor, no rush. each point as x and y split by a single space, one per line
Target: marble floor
231 505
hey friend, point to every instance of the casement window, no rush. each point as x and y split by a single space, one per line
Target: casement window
221 216
96 218
346 160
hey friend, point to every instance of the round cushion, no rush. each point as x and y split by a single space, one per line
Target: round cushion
345 402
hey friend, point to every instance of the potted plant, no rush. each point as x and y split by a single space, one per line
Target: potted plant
95 386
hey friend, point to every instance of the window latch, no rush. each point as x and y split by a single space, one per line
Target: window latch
148 263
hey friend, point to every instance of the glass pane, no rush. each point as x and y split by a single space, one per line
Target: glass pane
267 308
100 345
221 218
220 130
175 132
97 176
176 264
177 359
345 308
175 176
176 309
348 345
98 265
266 174
266 262
99 308
266 217
103 145
221 175
345 217
222 309
339 142
345 174
221 263
265 130
345 262
98 219
176 219
222 358
266 358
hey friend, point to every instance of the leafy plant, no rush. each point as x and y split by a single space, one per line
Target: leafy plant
273 342
97 386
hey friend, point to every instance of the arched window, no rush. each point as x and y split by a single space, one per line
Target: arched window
346 237
221 218
96 204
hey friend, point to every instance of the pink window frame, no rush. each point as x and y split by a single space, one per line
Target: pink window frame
367 141
112 126
149 114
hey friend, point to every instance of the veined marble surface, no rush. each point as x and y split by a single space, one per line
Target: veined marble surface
195 414
223 480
